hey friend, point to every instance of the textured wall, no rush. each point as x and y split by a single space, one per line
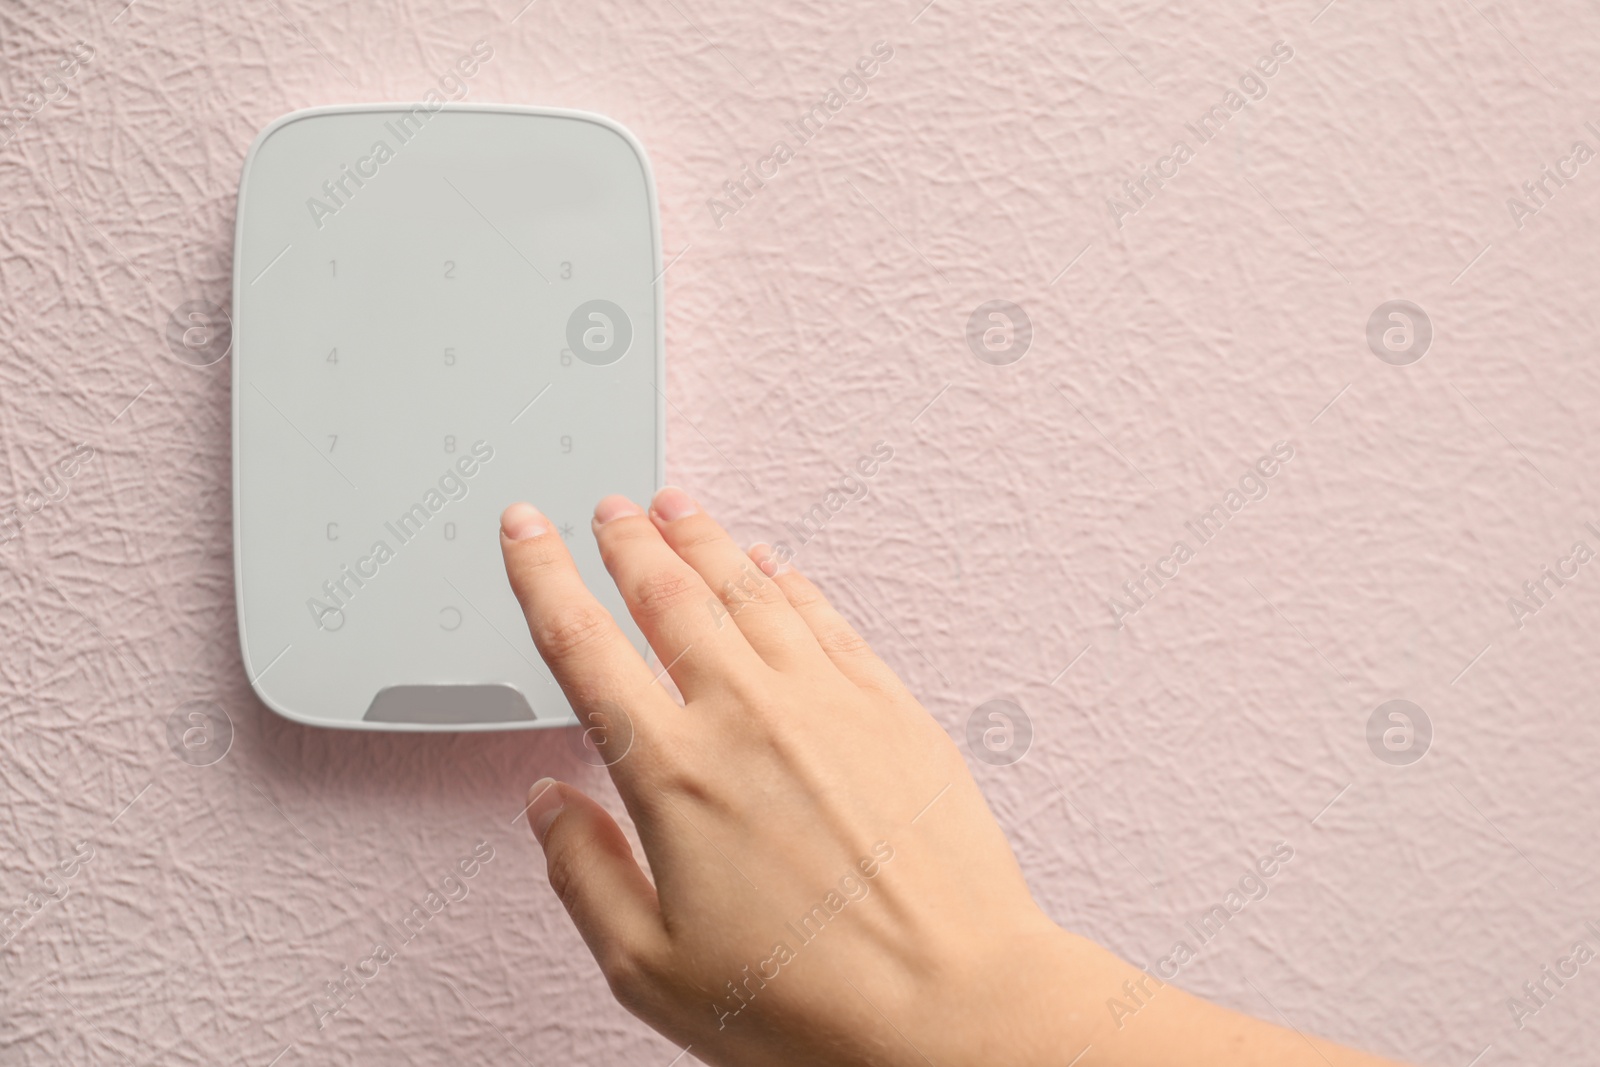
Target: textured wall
1176 335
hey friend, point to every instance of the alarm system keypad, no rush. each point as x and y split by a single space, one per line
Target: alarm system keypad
475 325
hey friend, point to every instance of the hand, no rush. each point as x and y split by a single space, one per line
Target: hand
828 885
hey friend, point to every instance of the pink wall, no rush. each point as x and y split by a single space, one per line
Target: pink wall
1227 313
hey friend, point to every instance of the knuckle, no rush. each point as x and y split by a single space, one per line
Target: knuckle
752 588
842 640
534 560
623 535
696 532
659 592
624 538
628 976
571 629
564 868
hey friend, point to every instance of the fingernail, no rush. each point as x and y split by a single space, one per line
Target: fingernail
673 504
522 521
614 507
544 804
771 562
761 556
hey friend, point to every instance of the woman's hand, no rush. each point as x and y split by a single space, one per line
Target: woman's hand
826 882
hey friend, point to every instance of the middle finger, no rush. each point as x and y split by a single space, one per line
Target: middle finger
681 617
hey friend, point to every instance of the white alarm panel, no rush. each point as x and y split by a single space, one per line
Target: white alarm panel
436 313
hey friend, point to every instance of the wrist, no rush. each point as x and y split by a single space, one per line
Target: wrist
1019 996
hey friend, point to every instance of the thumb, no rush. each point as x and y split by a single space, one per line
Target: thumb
591 867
